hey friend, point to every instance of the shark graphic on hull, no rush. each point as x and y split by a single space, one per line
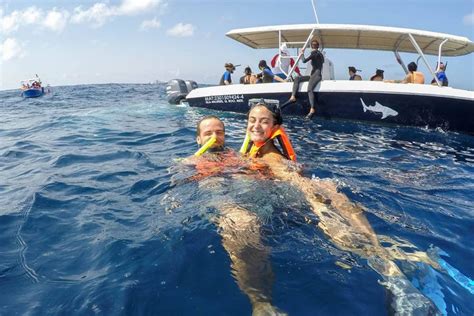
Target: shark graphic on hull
379 108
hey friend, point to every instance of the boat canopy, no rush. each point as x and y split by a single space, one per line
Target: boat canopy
347 36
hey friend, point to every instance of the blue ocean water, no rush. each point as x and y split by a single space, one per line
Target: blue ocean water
95 220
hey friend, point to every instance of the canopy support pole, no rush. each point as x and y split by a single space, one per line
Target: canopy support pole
314 9
308 40
439 53
420 52
400 61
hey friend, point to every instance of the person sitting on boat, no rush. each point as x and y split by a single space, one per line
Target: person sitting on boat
281 64
413 75
378 75
267 76
226 78
353 73
441 75
248 77
317 61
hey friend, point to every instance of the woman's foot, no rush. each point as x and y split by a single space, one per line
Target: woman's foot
266 309
310 114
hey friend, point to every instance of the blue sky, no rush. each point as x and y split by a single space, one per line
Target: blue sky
140 41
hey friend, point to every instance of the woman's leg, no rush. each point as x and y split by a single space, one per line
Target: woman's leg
240 231
296 85
313 82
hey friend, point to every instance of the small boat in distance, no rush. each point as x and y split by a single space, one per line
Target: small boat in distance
32 88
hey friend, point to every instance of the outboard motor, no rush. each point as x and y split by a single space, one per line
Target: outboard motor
191 85
176 91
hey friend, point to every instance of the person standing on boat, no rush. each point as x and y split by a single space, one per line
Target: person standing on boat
353 74
317 61
226 78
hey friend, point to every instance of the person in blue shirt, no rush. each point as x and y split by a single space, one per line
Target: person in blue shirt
441 75
226 78
267 76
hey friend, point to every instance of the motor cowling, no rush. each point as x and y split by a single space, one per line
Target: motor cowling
191 85
176 91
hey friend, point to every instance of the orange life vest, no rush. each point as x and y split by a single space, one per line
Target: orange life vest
251 149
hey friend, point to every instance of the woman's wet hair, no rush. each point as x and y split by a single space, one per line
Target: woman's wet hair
274 108
248 70
412 66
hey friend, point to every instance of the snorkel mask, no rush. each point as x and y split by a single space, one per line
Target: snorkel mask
271 105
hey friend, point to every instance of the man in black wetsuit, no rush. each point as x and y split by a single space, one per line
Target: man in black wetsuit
317 61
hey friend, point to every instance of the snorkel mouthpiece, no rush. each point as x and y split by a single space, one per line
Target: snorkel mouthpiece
206 146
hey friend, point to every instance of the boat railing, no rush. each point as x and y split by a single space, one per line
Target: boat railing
298 58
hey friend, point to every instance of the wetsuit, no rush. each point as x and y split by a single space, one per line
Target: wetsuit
266 75
225 76
317 61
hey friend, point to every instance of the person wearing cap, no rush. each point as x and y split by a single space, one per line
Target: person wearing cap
317 61
378 75
441 75
281 63
353 74
226 78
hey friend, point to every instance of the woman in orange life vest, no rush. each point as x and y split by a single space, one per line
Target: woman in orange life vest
340 219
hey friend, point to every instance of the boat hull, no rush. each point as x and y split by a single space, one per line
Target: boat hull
402 104
32 93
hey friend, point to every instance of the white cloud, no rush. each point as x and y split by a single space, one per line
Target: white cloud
13 21
10 49
100 13
32 15
150 24
469 19
56 20
181 30
130 7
